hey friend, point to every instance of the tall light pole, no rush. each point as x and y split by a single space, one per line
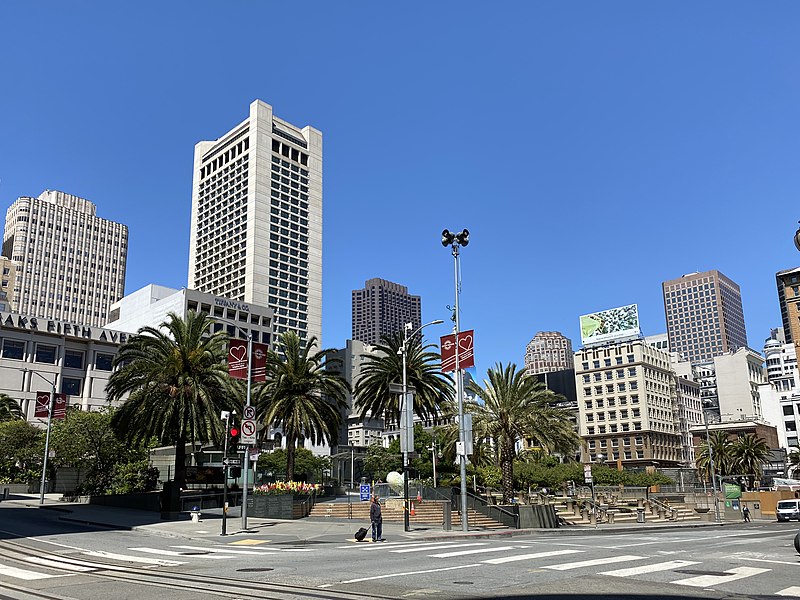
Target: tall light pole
407 414
246 461
711 462
47 436
456 240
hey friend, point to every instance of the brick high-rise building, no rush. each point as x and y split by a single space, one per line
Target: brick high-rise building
70 263
256 228
382 308
704 315
548 351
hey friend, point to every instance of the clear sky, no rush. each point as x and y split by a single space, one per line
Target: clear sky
593 149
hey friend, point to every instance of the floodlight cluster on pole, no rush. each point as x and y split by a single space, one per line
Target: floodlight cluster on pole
456 241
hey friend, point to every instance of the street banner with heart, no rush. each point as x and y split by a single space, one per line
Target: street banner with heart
43 405
237 360
466 357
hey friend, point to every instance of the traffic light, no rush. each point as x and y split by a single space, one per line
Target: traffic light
235 433
236 472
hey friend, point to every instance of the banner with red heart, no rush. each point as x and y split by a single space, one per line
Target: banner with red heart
466 356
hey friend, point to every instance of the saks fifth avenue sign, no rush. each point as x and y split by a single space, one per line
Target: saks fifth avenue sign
65 328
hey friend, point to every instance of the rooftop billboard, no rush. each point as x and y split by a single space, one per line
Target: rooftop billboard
611 324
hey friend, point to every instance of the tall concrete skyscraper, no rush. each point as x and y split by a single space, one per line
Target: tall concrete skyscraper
383 308
256 229
70 264
704 315
547 352
788 283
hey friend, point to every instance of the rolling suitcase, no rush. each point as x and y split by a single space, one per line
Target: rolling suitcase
361 534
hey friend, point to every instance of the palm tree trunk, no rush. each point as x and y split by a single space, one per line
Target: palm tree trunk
180 462
507 468
291 442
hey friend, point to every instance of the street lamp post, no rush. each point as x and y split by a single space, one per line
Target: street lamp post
47 435
456 240
432 448
407 414
713 471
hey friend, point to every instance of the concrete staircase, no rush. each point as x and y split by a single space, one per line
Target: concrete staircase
428 512
624 513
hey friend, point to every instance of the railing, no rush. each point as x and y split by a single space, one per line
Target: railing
478 504
663 507
209 500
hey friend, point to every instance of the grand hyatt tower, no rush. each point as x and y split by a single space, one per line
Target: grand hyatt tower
256 230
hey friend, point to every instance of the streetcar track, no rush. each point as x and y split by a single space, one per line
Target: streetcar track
209 584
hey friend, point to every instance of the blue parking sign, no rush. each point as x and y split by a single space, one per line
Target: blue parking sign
364 491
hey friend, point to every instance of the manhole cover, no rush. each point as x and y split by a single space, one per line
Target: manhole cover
463 582
256 570
699 572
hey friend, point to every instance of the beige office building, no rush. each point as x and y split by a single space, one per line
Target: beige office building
627 405
547 352
9 270
256 226
70 263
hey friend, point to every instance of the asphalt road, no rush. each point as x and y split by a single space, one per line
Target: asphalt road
43 557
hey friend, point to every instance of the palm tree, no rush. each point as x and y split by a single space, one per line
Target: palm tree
176 379
517 407
794 464
10 409
721 452
750 453
302 395
384 368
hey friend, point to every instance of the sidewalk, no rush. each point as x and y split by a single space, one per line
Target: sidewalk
301 531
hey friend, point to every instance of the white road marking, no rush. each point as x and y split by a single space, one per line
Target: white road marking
777 562
173 553
407 573
28 575
793 591
711 580
593 562
464 552
46 562
134 559
664 566
518 557
225 550
436 547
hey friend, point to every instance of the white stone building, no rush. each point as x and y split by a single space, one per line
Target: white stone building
70 264
738 375
256 225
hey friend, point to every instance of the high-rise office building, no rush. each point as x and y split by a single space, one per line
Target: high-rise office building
9 271
547 352
70 263
382 308
788 283
704 315
256 228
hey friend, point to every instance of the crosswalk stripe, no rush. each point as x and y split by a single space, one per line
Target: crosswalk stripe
46 562
173 553
436 547
793 591
28 575
593 562
227 550
655 567
135 559
518 557
465 552
711 580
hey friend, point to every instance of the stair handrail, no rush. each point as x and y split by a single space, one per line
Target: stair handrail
481 505
673 512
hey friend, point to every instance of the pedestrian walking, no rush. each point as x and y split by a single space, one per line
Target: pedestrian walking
376 519
746 514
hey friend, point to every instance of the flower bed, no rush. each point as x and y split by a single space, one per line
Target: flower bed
283 500
283 488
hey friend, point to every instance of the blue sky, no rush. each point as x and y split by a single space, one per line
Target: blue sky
593 149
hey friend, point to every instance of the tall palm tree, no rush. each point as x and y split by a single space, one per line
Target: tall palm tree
176 379
721 452
750 452
10 409
794 464
384 367
302 395
517 407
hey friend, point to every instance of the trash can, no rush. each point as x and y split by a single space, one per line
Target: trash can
640 515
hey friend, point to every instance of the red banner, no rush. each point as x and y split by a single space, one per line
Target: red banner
43 405
237 360
466 357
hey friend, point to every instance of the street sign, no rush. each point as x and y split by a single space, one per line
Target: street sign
587 473
248 432
364 491
249 412
230 461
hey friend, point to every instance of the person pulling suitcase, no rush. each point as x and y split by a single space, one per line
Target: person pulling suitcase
376 520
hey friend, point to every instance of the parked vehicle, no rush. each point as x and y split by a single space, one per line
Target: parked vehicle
797 542
787 510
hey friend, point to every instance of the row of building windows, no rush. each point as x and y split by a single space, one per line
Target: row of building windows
48 354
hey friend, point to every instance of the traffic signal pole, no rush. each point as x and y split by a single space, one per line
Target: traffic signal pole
227 417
